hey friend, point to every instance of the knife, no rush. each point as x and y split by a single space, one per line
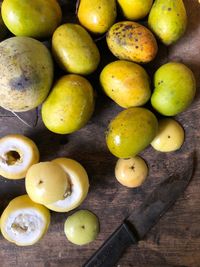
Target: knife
138 224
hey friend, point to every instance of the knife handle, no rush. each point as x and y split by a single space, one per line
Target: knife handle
109 253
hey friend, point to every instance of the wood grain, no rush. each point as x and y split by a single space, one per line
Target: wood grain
175 240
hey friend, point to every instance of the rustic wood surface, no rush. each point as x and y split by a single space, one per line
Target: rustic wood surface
175 240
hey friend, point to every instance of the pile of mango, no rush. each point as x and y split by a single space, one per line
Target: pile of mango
27 67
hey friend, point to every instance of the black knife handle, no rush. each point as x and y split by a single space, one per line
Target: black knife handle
109 253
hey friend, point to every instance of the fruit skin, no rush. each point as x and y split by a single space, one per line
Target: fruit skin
131 172
74 49
46 182
19 203
77 177
38 18
131 41
11 140
135 9
175 88
170 136
131 131
98 15
126 83
168 20
69 105
26 73
3 29
82 227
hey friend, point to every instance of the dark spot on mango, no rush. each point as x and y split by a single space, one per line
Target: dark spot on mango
169 9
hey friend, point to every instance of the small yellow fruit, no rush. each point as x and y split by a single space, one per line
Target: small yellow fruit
24 222
17 154
46 182
131 172
135 9
97 15
79 182
170 136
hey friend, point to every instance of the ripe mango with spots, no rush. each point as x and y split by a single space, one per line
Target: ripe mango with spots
168 20
135 9
97 15
132 41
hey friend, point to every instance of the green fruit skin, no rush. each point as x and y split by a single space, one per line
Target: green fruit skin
131 131
82 227
175 88
74 49
168 20
38 18
3 29
69 105
26 73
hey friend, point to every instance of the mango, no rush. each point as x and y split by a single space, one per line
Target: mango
131 131
26 73
38 18
69 105
175 88
168 20
98 15
132 41
126 83
74 49
135 9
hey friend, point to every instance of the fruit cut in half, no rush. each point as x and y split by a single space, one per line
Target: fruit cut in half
79 185
17 154
24 222
82 227
46 182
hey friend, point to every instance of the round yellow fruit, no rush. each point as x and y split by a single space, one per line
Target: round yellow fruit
38 18
24 222
74 49
126 83
135 9
17 154
79 182
131 172
170 136
98 15
46 182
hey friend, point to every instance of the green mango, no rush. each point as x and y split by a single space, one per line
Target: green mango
168 20
69 106
175 88
131 131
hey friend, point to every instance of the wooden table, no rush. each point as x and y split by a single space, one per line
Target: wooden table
175 240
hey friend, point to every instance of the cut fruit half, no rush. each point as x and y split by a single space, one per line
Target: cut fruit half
79 185
47 182
24 222
17 154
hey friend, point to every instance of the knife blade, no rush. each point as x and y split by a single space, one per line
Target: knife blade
139 222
